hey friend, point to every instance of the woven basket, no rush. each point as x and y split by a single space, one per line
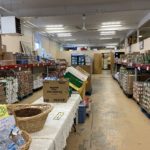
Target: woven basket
35 120
27 139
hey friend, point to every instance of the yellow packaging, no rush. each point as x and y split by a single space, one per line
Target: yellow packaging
3 111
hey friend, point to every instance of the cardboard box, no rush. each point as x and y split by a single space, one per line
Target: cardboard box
87 71
76 73
87 68
56 91
80 90
7 62
97 63
8 56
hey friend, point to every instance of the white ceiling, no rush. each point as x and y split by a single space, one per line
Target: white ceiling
69 13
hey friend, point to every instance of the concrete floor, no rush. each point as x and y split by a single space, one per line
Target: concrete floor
115 123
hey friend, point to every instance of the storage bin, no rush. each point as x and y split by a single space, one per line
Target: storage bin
81 113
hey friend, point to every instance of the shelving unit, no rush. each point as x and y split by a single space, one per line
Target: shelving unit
141 86
31 85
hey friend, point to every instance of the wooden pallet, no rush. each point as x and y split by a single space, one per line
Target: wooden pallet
38 89
25 96
88 93
128 95
145 112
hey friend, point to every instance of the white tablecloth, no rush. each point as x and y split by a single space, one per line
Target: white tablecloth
55 132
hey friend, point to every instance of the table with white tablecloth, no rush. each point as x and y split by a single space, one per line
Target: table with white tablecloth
56 129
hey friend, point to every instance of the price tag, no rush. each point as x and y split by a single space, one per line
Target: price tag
19 68
139 68
3 111
58 116
147 68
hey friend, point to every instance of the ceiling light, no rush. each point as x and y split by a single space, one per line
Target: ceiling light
112 23
109 29
110 46
69 39
54 26
64 34
105 38
57 31
107 33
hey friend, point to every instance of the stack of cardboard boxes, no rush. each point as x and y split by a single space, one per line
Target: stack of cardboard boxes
97 63
6 58
87 70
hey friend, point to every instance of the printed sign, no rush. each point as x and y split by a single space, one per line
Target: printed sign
3 111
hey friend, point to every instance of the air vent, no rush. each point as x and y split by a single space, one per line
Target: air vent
10 25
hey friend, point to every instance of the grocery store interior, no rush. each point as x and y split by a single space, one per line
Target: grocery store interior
74 75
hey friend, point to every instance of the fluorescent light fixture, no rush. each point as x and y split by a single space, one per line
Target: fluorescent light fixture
107 33
105 38
57 31
69 39
111 23
111 26
54 26
110 46
64 34
109 29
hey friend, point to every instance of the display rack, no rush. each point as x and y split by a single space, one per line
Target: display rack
35 69
141 88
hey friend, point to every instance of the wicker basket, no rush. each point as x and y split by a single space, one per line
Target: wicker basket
27 139
32 121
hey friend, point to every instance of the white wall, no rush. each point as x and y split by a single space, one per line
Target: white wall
13 42
67 54
136 47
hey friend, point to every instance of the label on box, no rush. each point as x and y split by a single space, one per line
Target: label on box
3 111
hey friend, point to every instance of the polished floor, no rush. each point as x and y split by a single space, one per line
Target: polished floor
115 123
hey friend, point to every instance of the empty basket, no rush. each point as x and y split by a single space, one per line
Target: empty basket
30 118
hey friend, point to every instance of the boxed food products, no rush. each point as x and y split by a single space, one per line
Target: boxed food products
73 79
138 90
25 83
56 90
9 90
80 90
76 73
8 56
87 71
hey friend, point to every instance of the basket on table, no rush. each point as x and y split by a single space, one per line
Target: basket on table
30 117
27 139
